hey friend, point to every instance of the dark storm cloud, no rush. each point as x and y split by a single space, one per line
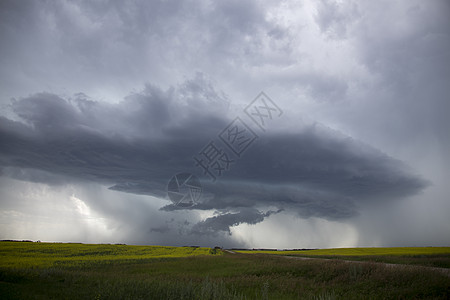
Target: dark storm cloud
223 222
139 144
110 143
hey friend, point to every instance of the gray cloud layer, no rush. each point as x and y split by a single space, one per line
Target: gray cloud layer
376 70
139 144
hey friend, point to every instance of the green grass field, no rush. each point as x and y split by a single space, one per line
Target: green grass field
438 257
26 254
80 271
363 251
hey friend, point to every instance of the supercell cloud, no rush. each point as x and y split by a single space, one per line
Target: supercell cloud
137 145
102 103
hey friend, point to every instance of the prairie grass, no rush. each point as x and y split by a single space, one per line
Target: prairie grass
26 254
208 276
362 251
438 257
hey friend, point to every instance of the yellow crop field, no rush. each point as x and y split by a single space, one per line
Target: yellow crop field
27 254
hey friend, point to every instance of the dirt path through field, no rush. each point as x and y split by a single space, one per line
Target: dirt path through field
442 270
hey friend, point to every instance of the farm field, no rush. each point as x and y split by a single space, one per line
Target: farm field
81 271
438 257
30 255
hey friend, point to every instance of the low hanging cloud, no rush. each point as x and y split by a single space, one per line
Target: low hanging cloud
224 221
137 145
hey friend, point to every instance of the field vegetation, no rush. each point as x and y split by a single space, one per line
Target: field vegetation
438 257
78 271
26 254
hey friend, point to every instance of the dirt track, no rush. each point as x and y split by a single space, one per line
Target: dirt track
445 271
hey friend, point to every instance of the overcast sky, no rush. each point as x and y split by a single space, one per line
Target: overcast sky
103 102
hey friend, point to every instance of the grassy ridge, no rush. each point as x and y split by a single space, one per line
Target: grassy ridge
143 272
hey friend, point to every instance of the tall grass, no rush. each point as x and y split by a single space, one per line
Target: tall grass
438 257
378 251
218 277
26 254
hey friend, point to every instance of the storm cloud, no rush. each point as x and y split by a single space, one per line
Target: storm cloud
102 103
137 145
